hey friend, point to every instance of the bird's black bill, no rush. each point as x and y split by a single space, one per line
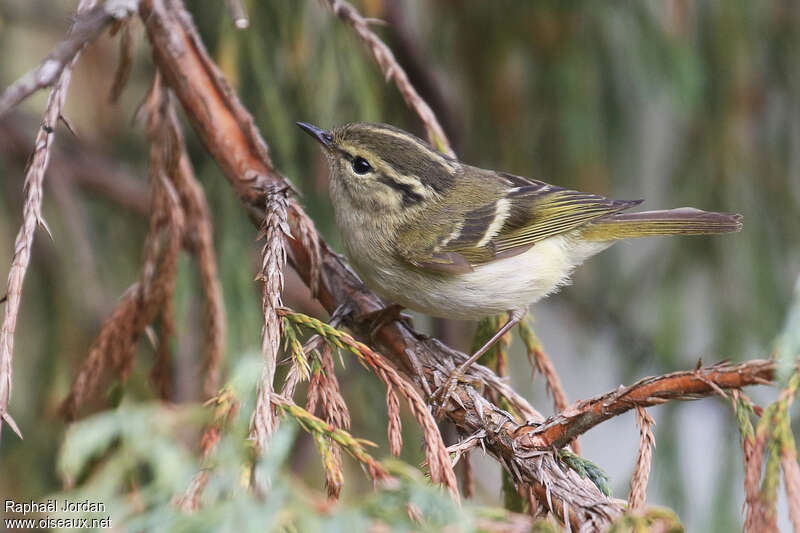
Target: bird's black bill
322 136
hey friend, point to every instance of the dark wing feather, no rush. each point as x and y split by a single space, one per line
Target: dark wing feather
537 213
496 216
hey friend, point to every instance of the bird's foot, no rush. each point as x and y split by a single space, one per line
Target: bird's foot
441 395
381 317
444 392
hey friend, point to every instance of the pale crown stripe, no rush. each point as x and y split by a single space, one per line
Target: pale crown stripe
433 153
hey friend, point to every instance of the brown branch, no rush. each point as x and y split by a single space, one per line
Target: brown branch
159 280
559 429
330 396
223 125
541 362
393 71
199 239
76 165
559 490
89 24
115 345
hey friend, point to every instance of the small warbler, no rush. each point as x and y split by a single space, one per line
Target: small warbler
433 234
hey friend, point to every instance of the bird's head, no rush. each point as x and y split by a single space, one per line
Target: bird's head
383 168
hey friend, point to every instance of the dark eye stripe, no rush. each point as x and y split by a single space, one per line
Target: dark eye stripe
410 197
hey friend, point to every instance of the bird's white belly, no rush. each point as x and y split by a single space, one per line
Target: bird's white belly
492 288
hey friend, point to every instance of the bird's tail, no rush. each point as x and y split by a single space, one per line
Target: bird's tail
681 221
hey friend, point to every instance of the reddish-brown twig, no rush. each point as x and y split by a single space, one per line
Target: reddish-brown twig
541 362
199 239
115 344
559 429
393 71
139 306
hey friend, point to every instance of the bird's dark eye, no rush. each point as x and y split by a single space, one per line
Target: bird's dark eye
360 165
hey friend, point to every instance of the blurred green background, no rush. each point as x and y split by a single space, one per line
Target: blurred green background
682 102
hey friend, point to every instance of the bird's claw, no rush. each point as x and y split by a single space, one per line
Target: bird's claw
381 317
441 395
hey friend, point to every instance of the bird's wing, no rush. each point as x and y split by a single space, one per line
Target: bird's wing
502 215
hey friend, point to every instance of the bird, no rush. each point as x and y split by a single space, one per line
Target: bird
433 234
